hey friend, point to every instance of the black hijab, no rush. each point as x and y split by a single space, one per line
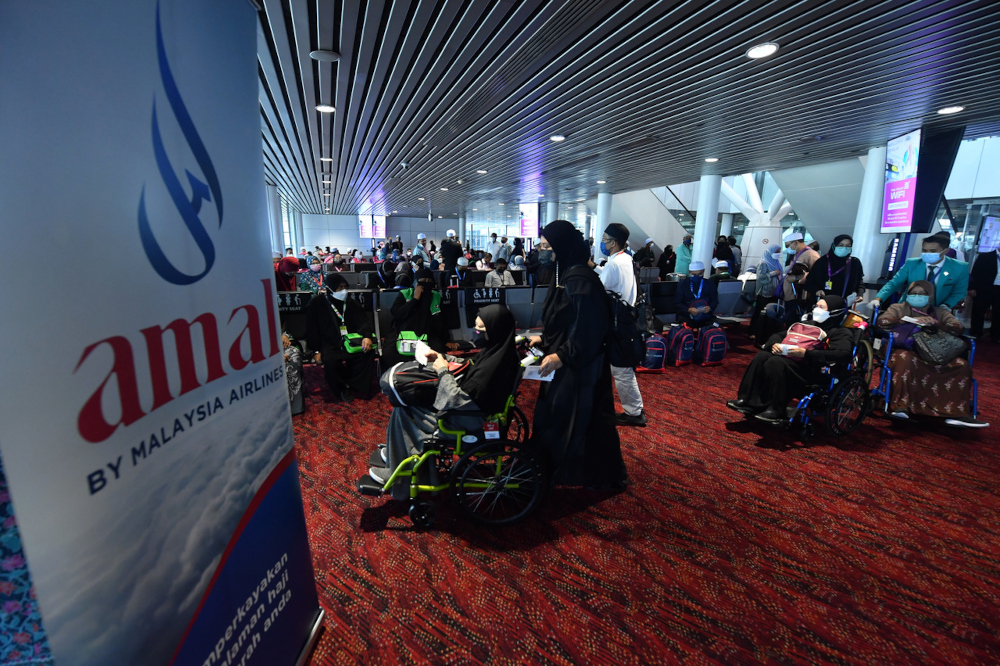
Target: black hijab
490 379
568 244
838 312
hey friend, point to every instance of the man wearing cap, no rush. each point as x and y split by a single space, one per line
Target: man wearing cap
618 276
697 298
451 250
793 286
644 258
721 272
493 247
420 249
459 276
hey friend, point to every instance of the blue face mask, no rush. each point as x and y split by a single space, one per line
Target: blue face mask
918 300
604 248
930 257
688 242
842 251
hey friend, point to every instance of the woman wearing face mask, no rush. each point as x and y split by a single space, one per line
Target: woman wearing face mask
481 387
417 311
311 279
837 272
919 388
667 262
575 414
383 277
683 256
348 362
774 378
767 291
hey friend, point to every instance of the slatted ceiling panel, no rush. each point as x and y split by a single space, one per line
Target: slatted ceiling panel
644 91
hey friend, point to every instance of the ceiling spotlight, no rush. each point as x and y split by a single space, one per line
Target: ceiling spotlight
327 182
482 171
326 159
460 182
421 199
557 138
508 216
499 204
440 217
948 110
762 50
326 194
569 208
601 182
444 189
711 160
395 211
325 56
325 108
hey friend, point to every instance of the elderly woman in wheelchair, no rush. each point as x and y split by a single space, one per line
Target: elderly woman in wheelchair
912 386
449 427
821 374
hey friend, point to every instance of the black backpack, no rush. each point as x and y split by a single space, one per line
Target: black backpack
626 347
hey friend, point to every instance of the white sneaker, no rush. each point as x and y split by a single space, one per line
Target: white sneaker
967 423
900 415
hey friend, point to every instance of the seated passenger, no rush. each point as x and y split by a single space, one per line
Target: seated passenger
416 314
721 272
696 298
458 276
919 388
485 262
483 386
286 273
772 379
348 363
499 276
312 279
383 277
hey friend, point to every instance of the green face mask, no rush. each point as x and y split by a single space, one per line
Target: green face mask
842 251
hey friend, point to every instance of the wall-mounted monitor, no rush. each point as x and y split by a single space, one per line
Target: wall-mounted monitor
528 220
902 155
371 226
989 237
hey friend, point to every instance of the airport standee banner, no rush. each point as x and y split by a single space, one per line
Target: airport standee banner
144 423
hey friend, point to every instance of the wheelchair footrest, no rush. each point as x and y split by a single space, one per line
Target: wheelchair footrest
375 459
369 486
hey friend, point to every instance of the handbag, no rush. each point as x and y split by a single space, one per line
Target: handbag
938 347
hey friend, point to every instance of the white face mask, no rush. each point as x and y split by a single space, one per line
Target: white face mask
340 295
820 315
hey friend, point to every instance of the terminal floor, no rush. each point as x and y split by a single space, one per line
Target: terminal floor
733 544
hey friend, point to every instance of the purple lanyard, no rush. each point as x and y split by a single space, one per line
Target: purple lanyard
847 278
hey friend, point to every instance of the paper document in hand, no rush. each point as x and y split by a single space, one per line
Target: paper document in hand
420 354
535 372
911 320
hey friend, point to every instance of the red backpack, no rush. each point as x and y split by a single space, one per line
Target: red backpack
806 336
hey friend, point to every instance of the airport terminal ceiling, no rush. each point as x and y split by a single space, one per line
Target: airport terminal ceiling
643 92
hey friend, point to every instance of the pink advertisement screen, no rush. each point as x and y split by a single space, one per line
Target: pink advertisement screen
901 157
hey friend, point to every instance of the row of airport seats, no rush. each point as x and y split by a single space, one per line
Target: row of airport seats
460 306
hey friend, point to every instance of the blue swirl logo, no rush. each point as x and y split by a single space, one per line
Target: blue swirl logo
188 208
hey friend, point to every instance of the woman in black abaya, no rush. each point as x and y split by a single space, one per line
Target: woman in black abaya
575 414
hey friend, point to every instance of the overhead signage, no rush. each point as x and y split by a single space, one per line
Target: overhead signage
902 156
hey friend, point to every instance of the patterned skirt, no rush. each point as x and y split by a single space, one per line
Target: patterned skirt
920 388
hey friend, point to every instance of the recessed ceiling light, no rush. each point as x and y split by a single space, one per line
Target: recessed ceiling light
325 108
762 50
444 189
601 182
440 217
569 207
557 138
499 204
948 110
482 171
325 56
327 182
326 159
508 216
711 160
475 209
395 211
421 199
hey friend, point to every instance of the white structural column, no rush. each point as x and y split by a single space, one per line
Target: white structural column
461 228
869 244
300 236
274 219
763 226
706 219
551 211
727 225
603 220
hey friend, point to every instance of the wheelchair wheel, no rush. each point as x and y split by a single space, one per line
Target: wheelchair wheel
516 428
848 405
498 483
864 361
422 514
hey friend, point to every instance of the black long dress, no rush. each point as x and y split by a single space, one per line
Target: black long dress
575 414
772 380
845 273
342 369
411 314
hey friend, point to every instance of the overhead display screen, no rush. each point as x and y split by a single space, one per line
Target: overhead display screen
371 226
989 238
901 157
528 222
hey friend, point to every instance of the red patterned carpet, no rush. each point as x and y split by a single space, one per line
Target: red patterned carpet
733 544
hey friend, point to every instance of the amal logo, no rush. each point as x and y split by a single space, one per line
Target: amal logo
188 209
